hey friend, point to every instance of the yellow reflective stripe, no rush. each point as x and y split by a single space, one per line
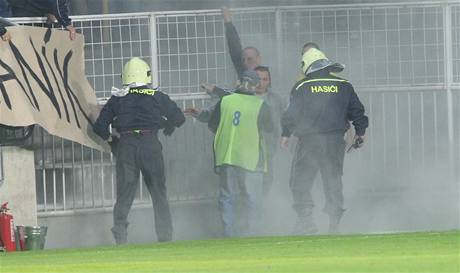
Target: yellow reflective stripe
319 80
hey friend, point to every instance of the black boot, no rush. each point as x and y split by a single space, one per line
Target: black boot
120 235
305 225
334 221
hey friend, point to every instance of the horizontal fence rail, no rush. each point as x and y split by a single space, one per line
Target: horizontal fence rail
395 55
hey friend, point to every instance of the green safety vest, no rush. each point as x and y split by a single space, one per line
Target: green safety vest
237 141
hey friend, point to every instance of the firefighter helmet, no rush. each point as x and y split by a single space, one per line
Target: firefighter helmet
314 60
136 71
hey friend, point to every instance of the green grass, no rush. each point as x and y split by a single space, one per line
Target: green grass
405 252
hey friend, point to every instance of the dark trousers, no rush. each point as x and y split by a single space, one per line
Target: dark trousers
141 152
323 153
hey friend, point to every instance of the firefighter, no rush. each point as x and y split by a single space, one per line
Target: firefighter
138 114
321 105
239 121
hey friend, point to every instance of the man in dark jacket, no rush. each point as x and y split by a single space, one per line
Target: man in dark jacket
138 113
41 8
242 58
321 105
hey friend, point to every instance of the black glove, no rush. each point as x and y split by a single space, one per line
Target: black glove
169 129
114 145
356 144
167 126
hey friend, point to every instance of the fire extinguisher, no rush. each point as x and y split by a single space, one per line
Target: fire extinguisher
7 241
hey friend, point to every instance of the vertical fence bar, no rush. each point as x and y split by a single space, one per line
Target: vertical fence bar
45 207
410 144
63 167
422 129
398 160
53 167
102 179
279 39
448 79
74 183
2 176
82 168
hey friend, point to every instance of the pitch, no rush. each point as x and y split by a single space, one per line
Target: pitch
403 252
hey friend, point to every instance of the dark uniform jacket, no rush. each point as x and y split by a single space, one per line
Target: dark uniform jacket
323 103
141 108
39 8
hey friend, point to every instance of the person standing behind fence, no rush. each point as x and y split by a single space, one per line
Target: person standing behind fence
138 113
40 8
320 107
272 99
243 59
238 121
277 106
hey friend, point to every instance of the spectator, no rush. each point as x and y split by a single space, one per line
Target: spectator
45 8
277 106
272 99
239 120
243 59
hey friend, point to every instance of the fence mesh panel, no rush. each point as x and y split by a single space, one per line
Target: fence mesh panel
394 56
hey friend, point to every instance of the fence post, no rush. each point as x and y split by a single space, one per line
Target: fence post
1 167
448 79
279 41
154 50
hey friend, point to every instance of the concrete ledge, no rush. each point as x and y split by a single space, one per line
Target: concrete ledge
18 188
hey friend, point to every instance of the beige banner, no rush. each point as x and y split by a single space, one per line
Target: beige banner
42 81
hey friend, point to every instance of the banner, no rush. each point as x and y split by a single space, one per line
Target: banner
42 81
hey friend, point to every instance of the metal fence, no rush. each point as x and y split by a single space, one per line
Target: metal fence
2 176
403 59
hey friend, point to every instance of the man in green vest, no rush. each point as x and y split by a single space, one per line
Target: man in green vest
239 121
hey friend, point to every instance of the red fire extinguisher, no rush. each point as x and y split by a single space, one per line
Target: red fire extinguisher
7 241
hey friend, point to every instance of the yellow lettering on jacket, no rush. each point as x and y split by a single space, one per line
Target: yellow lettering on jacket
149 92
324 89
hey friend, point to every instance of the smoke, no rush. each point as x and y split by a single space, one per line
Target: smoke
401 180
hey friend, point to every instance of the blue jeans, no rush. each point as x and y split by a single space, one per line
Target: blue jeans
235 181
